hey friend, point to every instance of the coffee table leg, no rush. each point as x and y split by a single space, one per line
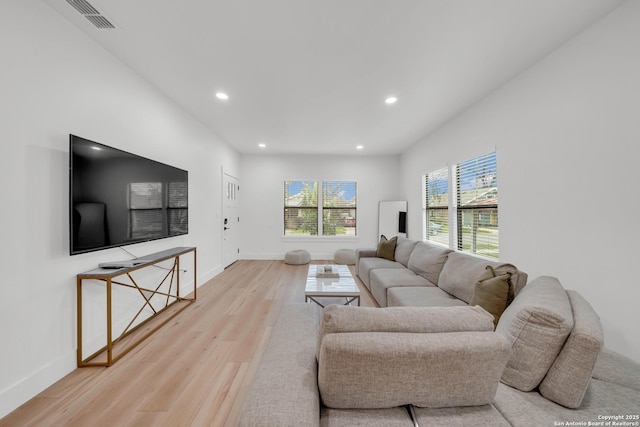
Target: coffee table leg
308 299
349 301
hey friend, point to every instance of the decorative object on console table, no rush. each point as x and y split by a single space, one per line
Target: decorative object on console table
110 276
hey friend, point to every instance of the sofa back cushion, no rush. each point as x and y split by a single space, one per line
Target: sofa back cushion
569 376
385 370
351 319
536 324
462 271
427 260
404 247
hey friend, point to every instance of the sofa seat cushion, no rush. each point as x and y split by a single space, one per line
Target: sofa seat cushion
461 272
427 260
461 416
568 378
536 324
382 279
526 409
365 265
421 297
391 417
615 368
435 370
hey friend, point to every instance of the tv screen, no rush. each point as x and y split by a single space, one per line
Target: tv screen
118 198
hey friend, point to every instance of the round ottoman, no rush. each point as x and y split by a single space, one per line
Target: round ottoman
297 257
345 256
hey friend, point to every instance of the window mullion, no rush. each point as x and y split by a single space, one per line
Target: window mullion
320 208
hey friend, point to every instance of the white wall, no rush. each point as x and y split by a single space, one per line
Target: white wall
567 134
262 192
54 81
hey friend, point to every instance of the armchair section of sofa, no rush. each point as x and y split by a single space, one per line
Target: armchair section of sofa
362 366
372 358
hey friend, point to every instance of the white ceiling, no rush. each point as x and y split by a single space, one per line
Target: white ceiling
311 76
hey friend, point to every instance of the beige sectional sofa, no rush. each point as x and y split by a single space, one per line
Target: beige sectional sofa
426 275
442 364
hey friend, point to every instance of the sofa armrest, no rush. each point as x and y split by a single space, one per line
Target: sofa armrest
285 389
364 253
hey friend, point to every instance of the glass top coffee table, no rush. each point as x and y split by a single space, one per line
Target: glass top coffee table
343 286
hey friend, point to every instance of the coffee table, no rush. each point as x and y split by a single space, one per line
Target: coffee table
343 286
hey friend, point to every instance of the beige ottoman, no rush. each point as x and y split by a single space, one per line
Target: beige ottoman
297 257
345 256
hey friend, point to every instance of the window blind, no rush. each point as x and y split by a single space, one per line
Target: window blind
477 205
338 207
436 225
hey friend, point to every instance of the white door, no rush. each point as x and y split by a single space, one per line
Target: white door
230 220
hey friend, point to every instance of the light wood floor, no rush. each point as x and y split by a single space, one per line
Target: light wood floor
195 371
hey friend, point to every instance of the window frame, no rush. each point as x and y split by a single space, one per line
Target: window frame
429 231
463 180
320 208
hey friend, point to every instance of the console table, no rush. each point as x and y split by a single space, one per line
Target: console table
118 277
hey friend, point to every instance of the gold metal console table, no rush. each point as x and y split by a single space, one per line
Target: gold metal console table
110 277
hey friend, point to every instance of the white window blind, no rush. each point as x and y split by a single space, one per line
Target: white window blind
338 208
477 205
301 208
436 217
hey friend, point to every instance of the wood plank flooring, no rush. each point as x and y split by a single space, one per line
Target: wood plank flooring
194 371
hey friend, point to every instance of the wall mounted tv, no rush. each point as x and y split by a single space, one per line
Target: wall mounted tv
118 198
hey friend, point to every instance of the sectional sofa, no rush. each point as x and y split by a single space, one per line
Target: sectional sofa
430 358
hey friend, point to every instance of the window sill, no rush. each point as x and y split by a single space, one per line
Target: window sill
320 238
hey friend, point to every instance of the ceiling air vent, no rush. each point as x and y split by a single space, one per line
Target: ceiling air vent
91 13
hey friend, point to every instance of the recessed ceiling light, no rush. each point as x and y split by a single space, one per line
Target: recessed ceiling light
262 145
391 100
96 148
221 95
359 147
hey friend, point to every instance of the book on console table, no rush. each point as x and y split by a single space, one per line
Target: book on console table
326 271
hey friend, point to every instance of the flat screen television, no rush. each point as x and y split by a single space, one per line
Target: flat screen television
118 198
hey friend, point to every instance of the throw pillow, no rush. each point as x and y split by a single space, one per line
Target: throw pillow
493 293
387 248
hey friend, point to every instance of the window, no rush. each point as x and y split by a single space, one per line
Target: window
475 206
338 208
328 212
437 206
